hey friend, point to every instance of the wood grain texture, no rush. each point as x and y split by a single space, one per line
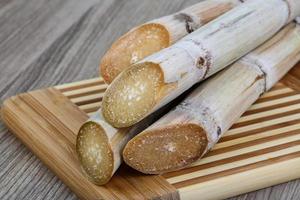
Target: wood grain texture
47 115
44 43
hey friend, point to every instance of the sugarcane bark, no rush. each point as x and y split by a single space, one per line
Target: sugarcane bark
190 19
214 106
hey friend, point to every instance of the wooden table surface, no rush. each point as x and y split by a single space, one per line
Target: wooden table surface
45 43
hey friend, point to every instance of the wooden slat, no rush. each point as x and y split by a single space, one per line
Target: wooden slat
80 84
278 86
96 89
90 114
90 108
272 93
247 179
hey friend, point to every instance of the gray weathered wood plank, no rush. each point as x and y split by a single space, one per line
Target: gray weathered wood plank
45 43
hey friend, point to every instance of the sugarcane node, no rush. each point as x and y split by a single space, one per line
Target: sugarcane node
201 62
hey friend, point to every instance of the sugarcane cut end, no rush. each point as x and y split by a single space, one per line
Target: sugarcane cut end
94 153
132 47
133 95
166 149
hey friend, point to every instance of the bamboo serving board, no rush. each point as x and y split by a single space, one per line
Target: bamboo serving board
260 150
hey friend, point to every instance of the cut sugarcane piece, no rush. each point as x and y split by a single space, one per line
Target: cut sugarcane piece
99 146
160 33
150 81
93 148
192 59
189 131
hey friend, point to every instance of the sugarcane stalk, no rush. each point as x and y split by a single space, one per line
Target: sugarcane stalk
189 131
99 146
157 79
157 34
